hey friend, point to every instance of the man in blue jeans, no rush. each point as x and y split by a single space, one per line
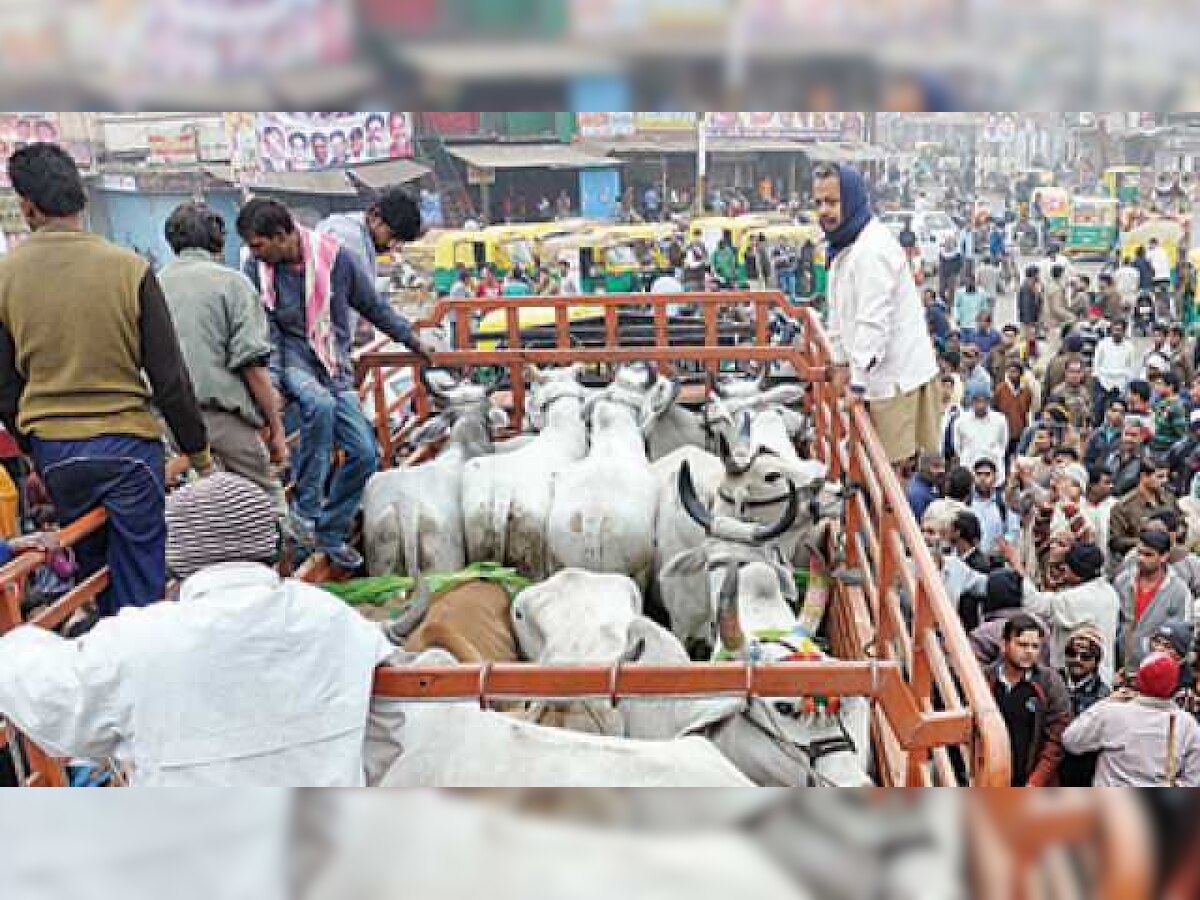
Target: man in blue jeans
309 283
86 346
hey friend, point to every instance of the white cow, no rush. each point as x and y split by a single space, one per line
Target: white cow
506 498
756 621
412 516
426 744
436 845
580 618
602 516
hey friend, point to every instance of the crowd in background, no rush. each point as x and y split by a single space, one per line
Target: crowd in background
1064 510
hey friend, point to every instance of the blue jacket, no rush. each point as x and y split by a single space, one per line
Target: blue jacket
920 494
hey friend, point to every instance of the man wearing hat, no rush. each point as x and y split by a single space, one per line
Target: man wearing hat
981 432
249 680
1088 600
1081 673
1151 595
1175 639
1146 741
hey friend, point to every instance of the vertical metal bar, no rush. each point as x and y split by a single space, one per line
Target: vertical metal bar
512 317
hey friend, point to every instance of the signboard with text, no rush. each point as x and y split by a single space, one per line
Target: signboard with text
810 126
305 142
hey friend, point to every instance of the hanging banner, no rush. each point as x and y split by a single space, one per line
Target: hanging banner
241 130
604 124
807 126
306 142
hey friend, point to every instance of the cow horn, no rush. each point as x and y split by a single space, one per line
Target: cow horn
691 503
769 533
651 375
744 429
729 622
430 388
414 614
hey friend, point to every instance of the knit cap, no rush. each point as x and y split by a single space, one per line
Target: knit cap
218 519
1158 676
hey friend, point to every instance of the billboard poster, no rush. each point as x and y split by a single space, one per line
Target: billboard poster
306 142
179 145
19 129
604 124
810 126
599 193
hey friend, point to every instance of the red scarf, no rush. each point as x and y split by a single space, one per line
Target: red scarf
320 253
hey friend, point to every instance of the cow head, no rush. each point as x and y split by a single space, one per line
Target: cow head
576 617
549 386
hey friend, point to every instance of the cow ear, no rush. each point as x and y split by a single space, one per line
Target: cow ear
429 432
793 422
689 562
787 583
783 394
660 398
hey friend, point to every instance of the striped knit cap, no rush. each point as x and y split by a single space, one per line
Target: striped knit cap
221 518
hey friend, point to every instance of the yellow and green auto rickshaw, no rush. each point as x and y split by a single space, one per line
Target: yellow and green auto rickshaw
635 255
499 247
1168 231
709 230
1124 184
1094 226
1055 204
796 236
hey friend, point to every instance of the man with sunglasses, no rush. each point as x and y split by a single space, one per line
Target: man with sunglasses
1086 687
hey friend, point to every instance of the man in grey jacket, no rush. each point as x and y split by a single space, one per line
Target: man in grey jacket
1151 596
1144 740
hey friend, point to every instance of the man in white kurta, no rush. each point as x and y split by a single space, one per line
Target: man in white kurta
248 680
876 318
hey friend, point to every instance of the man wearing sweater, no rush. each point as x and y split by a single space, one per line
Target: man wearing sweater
86 346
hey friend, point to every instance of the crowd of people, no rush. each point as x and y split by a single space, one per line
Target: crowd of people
1063 506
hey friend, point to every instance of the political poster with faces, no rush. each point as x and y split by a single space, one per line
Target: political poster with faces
19 129
305 142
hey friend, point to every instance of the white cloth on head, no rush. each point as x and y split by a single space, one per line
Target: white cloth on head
249 680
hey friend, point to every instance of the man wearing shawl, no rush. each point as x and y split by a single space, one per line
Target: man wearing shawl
309 283
876 320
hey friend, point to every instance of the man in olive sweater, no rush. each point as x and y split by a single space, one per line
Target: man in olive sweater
86 346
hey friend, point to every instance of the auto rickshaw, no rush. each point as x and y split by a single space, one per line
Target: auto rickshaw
709 230
1124 184
1093 230
1170 233
500 247
796 236
1055 204
636 254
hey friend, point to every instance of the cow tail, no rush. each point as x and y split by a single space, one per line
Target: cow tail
410 539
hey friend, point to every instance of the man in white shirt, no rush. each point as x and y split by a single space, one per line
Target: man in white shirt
981 432
1088 599
248 680
1160 262
1113 366
876 320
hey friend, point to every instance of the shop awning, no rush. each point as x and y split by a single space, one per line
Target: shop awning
380 175
329 183
529 156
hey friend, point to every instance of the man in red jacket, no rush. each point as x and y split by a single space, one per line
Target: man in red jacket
1034 702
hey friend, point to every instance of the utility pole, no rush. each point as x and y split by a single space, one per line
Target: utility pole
701 162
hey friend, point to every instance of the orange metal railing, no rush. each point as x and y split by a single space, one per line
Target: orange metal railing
961 738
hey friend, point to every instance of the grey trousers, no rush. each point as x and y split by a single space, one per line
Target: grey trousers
237 448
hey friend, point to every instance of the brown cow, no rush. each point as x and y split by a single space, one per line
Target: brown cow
471 622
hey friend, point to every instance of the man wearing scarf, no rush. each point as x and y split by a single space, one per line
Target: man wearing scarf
309 284
876 321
